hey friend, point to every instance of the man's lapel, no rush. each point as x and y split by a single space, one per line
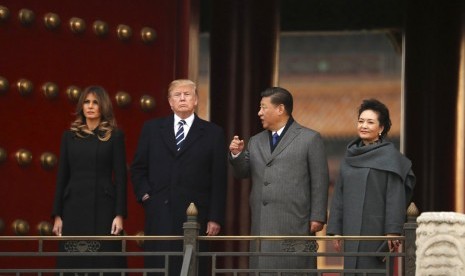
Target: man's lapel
287 139
195 132
264 145
167 130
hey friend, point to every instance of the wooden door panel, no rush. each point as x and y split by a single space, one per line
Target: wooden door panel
40 54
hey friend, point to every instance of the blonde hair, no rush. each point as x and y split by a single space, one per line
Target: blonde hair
181 82
107 121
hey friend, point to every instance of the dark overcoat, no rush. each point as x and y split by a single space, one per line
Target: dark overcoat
370 198
90 192
197 173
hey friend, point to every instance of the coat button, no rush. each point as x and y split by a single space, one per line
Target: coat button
265 203
166 201
266 183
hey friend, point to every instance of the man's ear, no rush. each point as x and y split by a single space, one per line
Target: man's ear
281 109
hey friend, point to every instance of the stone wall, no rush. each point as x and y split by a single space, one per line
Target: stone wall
440 244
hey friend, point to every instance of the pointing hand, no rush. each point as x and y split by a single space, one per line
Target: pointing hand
236 146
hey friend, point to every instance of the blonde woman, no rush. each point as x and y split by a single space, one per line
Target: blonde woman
90 196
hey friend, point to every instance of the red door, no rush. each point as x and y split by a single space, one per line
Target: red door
139 47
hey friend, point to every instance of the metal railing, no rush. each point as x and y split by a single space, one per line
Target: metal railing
191 255
216 270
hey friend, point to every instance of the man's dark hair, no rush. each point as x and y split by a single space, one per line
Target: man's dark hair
279 95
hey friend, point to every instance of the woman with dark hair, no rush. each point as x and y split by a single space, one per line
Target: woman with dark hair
90 198
374 187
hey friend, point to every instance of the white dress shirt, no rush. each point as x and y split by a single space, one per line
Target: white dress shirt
187 126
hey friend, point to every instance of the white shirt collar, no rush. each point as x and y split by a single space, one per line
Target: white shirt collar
189 120
279 131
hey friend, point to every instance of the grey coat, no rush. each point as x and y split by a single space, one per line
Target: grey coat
289 189
370 198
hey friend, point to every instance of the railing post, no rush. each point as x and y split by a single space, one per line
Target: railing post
191 232
410 248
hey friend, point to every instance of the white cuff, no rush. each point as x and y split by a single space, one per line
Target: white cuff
235 155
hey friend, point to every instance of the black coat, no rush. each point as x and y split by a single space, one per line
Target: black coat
90 192
197 173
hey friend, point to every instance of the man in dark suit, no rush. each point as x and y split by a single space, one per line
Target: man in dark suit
179 159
